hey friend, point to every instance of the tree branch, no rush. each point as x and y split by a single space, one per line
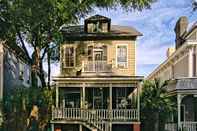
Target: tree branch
23 45
44 53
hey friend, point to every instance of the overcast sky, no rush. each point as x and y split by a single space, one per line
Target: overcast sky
157 26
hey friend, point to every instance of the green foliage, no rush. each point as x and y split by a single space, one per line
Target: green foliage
155 104
18 104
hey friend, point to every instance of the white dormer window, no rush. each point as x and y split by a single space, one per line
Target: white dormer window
69 57
122 56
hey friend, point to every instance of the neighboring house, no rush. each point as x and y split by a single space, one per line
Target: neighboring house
180 69
97 86
15 70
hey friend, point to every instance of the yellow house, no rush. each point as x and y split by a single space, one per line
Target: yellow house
180 69
96 88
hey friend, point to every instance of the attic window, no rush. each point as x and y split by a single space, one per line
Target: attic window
97 27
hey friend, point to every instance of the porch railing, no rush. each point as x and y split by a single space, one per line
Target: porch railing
171 127
96 66
86 114
188 126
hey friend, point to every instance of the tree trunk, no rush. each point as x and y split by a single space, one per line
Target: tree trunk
49 69
42 75
157 121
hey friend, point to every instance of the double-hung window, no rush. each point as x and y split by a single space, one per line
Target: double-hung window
122 56
69 57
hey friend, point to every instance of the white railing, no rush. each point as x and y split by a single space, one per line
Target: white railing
188 126
87 116
124 114
96 66
171 127
102 114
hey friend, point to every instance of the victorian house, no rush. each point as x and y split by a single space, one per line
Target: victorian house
97 89
180 70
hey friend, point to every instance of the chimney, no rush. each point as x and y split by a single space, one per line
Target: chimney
180 29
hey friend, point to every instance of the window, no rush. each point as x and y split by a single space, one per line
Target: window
97 27
122 56
69 57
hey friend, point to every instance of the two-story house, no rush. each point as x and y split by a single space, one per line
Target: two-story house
97 86
180 69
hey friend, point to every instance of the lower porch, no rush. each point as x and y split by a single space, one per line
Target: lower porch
97 102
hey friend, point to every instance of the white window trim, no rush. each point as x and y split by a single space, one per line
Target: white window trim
117 55
64 55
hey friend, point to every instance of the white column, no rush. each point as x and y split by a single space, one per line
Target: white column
190 62
138 100
179 110
52 127
57 95
80 127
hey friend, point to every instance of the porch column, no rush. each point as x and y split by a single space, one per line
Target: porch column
80 127
83 96
138 100
110 106
52 127
179 110
57 95
110 96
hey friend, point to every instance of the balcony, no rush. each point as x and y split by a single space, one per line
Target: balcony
96 67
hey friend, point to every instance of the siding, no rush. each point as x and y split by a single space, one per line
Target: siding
81 48
181 67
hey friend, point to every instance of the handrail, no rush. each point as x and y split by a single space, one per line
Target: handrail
96 66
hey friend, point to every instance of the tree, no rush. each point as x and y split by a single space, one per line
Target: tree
194 3
18 103
37 22
155 104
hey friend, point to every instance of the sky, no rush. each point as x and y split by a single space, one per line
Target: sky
157 26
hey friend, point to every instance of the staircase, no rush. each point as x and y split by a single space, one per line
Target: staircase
87 118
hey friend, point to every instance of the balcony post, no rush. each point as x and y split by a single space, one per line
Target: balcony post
57 95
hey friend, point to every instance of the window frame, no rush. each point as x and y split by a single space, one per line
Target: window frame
117 56
64 57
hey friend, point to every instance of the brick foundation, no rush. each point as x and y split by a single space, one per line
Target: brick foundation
136 127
